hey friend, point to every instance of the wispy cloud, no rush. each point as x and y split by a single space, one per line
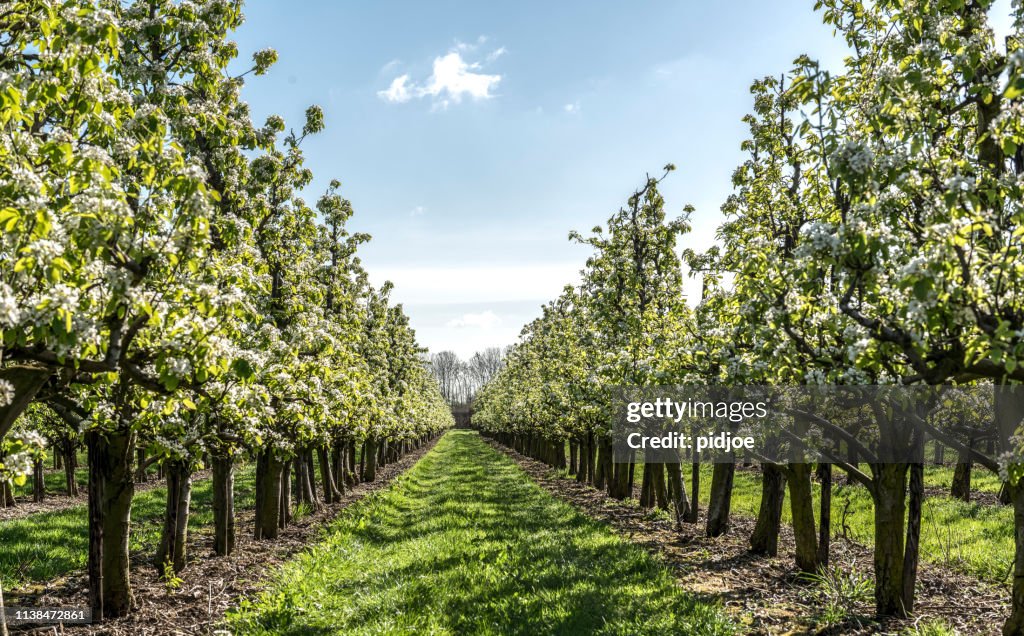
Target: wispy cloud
471 46
419 210
453 78
483 320
572 108
398 91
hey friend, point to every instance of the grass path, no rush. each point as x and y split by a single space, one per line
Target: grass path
466 543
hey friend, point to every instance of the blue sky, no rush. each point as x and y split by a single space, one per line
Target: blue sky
514 124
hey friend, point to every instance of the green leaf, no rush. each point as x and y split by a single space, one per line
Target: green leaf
242 368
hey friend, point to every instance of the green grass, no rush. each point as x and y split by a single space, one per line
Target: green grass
41 547
466 543
972 538
54 479
982 479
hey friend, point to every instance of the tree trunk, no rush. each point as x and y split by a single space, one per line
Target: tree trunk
223 505
38 481
720 499
339 454
765 538
305 479
1008 408
660 487
573 453
647 487
591 457
602 475
110 506
352 475
174 538
583 466
370 459
824 513
269 471
889 495
1014 625
912 550
70 464
961 487
284 510
801 503
677 491
632 471
6 495
331 493
694 514
619 486
140 466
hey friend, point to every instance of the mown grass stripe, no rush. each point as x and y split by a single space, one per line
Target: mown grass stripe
466 543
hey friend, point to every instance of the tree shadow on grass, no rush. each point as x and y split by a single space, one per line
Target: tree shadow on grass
467 544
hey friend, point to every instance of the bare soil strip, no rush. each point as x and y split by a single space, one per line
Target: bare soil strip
211 585
766 595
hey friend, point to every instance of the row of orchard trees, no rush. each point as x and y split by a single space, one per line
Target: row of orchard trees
874 237
166 294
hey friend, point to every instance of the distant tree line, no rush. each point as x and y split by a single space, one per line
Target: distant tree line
460 379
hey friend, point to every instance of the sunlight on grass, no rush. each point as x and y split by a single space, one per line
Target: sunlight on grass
43 546
466 543
972 538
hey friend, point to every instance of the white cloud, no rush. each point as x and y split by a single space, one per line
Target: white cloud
452 78
419 210
572 108
398 92
483 320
